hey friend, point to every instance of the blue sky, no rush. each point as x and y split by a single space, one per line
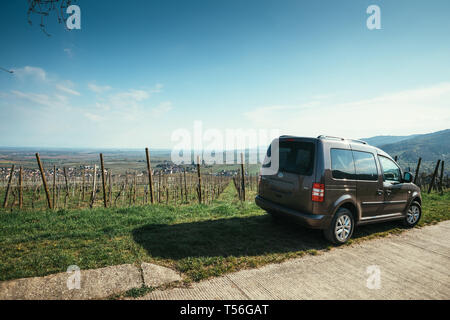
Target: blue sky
139 70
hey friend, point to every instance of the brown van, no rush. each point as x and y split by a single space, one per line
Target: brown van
335 184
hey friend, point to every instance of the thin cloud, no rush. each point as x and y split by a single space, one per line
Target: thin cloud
132 94
162 108
131 101
55 100
42 99
67 90
29 71
69 52
93 117
158 88
393 113
118 114
98 89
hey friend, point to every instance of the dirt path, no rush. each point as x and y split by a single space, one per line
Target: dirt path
413 265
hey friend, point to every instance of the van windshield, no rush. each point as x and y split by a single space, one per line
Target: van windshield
296 157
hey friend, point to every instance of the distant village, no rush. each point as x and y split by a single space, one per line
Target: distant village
165 167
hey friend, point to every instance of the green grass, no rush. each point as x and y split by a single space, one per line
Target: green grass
134 293
199 240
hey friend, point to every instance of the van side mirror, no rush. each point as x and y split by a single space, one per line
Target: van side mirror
407 177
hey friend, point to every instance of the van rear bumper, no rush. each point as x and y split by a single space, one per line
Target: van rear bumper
314 221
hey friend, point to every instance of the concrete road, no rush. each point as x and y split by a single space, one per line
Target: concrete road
413 265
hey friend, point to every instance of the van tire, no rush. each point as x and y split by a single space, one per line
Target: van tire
341 216
413 215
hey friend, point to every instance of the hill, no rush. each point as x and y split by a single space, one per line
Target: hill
430 147
378 141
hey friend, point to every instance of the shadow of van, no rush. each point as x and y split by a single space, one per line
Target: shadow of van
247 236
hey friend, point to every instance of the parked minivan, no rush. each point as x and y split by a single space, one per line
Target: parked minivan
335 184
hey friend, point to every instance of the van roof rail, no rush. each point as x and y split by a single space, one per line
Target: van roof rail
330 137
357 141
340 138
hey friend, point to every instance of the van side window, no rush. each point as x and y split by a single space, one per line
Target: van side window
365 165
391 172
342 166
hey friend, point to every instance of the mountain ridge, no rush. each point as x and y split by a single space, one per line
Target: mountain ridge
430 147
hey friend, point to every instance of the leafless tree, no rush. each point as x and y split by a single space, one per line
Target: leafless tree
43 8
6 70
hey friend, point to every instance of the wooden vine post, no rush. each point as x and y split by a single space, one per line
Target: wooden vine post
66 181
134 188
8 187
93 186
242 177
105 202
66 197
44 181
110 188
417 170
199 180
82 183
20 188
54 187
185 187
159 186
150 177
434 176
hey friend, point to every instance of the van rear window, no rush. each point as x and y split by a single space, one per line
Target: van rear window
297 157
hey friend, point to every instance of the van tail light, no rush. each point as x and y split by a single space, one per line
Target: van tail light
318 192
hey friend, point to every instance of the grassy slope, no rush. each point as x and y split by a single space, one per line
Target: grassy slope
198 240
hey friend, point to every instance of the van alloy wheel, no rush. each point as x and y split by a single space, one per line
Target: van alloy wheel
340 230
413 214
343 228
